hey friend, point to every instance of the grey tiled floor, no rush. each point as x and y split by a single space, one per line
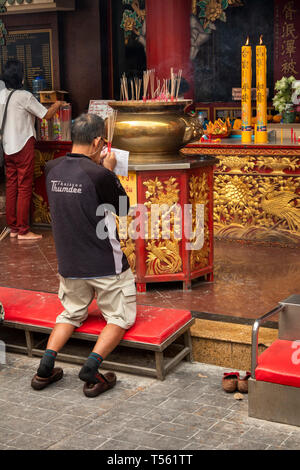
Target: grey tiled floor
189 410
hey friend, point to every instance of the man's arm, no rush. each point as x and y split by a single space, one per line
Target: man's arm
115 190
112 193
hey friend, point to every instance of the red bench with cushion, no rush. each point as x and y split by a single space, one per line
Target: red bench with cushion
274 387
155 329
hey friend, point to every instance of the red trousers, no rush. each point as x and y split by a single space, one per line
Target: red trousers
19 179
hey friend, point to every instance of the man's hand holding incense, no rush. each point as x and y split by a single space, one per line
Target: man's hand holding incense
108 160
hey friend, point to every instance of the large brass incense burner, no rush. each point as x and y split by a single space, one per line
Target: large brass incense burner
154 131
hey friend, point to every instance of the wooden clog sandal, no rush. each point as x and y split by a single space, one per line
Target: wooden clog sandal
38 383
106 382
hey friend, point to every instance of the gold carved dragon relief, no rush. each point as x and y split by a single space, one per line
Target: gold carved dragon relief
199 191
163 231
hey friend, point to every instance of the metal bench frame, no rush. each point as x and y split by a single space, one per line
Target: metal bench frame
271 401
162 365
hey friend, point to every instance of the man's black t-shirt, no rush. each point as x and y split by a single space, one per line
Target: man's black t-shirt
87 244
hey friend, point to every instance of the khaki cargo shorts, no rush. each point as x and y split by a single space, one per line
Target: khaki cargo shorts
116 298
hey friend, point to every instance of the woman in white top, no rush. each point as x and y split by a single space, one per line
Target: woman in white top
18 143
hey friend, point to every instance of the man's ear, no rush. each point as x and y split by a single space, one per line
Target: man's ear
96 142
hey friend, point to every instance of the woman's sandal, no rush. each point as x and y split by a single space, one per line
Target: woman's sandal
230 381
106 382
243 383
38 383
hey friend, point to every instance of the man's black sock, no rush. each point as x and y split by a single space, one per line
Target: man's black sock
47 364
89 370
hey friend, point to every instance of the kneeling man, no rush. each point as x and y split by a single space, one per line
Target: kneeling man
83 193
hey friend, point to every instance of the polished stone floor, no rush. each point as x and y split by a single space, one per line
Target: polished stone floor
249 279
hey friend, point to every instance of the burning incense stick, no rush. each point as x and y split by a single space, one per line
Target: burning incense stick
111 123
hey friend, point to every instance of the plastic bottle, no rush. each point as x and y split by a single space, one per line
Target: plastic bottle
201 118
38 84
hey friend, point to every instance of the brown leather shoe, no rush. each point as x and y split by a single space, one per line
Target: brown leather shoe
243 383
38 383
229 381
107 381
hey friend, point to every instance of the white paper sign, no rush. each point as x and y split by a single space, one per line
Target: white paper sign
100 107
122 157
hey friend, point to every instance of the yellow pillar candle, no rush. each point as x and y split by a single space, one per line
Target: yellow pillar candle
261 93
246 93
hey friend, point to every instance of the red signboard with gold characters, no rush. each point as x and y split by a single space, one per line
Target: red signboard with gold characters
287 39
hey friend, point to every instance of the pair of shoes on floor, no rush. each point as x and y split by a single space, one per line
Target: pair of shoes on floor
232 382
106 382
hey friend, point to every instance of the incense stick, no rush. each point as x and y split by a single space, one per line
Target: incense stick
146 78
178 82
111 123
125 86
152 81
169 90
5 232
173 84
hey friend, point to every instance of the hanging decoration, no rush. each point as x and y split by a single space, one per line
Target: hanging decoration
212 10
3 31
2 6
133 20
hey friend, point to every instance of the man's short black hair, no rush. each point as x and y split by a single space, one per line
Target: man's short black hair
13 74
86 128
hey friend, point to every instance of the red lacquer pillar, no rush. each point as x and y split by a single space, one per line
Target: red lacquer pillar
169 38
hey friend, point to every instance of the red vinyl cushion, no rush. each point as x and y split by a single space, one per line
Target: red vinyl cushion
153 325
276 365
